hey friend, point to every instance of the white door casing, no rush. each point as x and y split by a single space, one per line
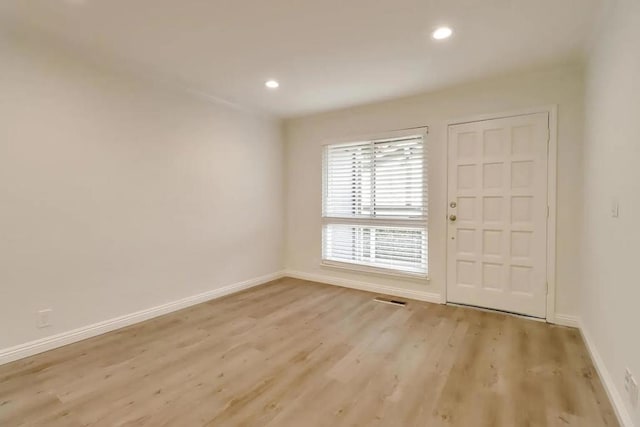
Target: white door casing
497 193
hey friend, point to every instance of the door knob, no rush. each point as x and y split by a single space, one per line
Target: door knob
452 217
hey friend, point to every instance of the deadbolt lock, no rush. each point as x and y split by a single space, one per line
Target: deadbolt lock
453 204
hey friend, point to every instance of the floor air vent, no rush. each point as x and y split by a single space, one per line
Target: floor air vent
391 301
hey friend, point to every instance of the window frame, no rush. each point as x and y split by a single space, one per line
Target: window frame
382 221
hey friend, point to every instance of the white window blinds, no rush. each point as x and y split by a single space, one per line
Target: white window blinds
375 204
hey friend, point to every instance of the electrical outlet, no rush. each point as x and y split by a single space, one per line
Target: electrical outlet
44 318
631 387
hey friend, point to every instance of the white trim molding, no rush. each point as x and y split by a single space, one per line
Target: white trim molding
566 320
624 417
364 286
49 343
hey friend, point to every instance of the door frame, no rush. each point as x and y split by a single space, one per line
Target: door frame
552 176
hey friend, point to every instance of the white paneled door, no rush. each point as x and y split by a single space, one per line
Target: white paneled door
497 214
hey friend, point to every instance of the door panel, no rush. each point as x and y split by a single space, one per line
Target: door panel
497 231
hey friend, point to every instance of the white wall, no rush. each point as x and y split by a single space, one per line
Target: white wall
116 195
611 285
562 85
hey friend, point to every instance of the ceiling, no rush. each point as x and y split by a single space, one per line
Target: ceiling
326 54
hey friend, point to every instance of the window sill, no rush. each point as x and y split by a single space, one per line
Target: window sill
358 268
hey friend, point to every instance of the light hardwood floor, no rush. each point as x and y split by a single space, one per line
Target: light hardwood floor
296 353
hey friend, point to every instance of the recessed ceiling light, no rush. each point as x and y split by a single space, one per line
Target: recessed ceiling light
442 33
272 84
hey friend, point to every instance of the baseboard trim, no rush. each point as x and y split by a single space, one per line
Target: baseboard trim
49 343
624 417
364 286
566 320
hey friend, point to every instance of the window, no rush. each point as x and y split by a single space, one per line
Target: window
375 205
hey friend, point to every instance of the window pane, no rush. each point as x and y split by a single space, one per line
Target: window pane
398 178
384 178
348 181
397 248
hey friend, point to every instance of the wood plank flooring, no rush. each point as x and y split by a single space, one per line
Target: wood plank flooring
296 353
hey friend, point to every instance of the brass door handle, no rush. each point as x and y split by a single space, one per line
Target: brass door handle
452 218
